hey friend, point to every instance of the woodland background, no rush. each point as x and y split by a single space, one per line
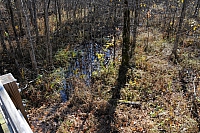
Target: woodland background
104 66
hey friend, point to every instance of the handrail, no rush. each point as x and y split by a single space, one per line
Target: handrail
16 123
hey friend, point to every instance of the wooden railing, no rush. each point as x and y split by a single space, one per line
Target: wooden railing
14 119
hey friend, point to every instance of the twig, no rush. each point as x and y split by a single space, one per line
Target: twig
194 86
134 104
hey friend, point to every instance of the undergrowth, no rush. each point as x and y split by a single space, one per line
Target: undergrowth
154 83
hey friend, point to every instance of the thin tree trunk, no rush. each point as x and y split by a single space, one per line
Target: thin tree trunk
126 36
114 28
173 20
166 12
29 5
196 12
136 22
47 31
33 16
2 39
178 34
13 26
35 24
30 41
17 4
125 54
147 27
58 17
8 38
11 51
59 12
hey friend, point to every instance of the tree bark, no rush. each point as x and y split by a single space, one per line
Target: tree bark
29 38
126 36
125 53
9 7
196 12
59 12
33 16
2 39
173 20
47 31
19 14
35 24
11 51
178 34
136 21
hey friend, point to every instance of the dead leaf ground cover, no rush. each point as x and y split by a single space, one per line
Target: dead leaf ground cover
154 83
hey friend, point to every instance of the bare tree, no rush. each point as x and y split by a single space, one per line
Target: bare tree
9 51
171 24
196 12
19 17
33 16
9 7
5 29
35 24
58 11
47 32
178 34
136 21
29 37
126 36
2 39
125 53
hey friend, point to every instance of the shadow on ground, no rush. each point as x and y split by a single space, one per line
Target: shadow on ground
108 123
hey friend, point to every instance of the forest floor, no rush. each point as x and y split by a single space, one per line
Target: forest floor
158 96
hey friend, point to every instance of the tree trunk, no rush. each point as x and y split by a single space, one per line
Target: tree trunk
173 20
2 39
35 24
166 12
125 53
126 36
47 31
18 7
178 34
59 12
136 21
30 8
11 51
29 38
33 16
9 7
196 12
